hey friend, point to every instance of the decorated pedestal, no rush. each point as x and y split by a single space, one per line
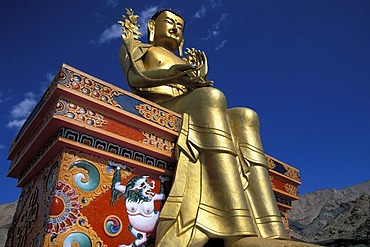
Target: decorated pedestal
285 180
95 163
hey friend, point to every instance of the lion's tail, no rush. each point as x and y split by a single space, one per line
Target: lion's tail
116 195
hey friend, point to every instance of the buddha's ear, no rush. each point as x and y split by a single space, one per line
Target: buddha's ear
180 47
151 27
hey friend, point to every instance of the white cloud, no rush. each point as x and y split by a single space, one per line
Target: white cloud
45 84
110 33
212 34
5 96
16 123
20 111
201 12
220 46
215 31
112 3
2 147
23 108
49 76
222 19
98 17
145 16
215 3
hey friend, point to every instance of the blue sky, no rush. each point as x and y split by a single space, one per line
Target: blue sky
303 65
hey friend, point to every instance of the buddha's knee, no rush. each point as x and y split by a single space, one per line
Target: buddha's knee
209 96
243 117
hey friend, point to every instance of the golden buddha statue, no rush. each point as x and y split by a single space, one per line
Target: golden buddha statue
221 187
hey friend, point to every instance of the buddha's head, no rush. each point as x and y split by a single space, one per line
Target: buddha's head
165 29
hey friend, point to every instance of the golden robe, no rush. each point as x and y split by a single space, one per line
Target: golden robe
221 186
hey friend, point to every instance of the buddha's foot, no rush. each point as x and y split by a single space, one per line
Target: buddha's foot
262 242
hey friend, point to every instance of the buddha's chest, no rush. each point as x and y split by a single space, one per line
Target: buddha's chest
160 58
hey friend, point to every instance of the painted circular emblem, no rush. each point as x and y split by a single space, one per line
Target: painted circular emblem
112 225
63 210
77 239
87 178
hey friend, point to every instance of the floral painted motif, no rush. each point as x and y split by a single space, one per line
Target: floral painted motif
291 189
292 173
63 210
79 234
157 142
79 113
87 86
87 174
156 115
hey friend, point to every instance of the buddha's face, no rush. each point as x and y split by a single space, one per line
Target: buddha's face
168 29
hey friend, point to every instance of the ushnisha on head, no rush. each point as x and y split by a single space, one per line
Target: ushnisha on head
165 29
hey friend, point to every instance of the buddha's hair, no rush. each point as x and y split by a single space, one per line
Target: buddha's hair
156 14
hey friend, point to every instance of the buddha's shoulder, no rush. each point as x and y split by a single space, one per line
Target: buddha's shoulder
138 47
135 48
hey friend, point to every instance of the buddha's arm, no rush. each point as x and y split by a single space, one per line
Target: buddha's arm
138 76
176 74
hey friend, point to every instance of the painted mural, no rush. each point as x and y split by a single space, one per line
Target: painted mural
139 197
87 200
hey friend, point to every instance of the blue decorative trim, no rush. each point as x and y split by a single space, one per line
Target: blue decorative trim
103 145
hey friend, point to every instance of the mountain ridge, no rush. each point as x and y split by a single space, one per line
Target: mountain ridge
331 214
6 217
329 217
